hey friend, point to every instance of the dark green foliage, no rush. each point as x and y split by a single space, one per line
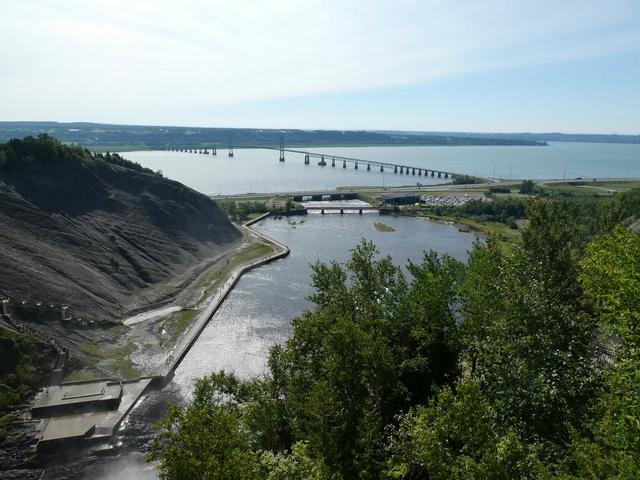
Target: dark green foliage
24 367
18 154
526 187
28 153
466 180
457 436
116 159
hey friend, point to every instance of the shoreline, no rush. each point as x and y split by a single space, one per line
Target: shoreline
215 300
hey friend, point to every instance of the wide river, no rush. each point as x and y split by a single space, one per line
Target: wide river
258 170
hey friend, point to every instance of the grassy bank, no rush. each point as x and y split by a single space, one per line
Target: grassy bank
177 323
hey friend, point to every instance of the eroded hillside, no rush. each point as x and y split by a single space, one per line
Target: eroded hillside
99 234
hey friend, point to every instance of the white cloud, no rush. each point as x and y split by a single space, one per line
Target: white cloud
131 60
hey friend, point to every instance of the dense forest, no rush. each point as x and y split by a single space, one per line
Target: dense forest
512 365
20 154
97 136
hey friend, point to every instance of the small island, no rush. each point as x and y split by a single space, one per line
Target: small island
383 227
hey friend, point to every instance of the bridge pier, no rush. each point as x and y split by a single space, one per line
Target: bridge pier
322 211
432 173
401 169
342 211
281 159
382 168
439 174
413 171
306 159
446 175
368 167
356 167
333 162
419 172
344 164
360 212
395 169
214 151
322 163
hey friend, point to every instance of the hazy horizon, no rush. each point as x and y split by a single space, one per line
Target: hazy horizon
239 127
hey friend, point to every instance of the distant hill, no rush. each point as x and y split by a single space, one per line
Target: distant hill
97 232
102 137
541 137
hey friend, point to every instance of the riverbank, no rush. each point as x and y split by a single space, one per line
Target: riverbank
225 282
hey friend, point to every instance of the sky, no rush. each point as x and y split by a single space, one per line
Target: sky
426 65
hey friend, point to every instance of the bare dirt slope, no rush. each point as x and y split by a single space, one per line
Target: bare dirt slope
95 235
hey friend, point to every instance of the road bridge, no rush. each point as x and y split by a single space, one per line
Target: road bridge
336 161
344 209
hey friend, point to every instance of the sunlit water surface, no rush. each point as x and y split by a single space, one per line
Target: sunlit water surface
258 170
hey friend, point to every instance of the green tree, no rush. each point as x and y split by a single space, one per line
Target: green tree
526 337
456 437
526 187
611 276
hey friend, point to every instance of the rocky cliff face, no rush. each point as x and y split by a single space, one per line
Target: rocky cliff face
94 234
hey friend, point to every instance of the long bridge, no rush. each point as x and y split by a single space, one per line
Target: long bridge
325 159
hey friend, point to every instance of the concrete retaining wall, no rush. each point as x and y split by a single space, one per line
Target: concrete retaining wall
193 334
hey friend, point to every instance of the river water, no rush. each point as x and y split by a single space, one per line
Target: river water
258 311
258 170
257 314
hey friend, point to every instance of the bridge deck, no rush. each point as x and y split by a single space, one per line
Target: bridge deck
339 158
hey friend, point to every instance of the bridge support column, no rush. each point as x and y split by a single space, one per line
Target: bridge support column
281 159
413 171
432 173
406 170
214 151
382 168
322 211
342 211
360 212
401 169
322 163
356 167
344 164
439 174
306 159
446 175
333 162
395 169
419 172
368 167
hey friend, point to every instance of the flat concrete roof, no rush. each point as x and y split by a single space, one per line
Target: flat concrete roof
105 422
73 394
